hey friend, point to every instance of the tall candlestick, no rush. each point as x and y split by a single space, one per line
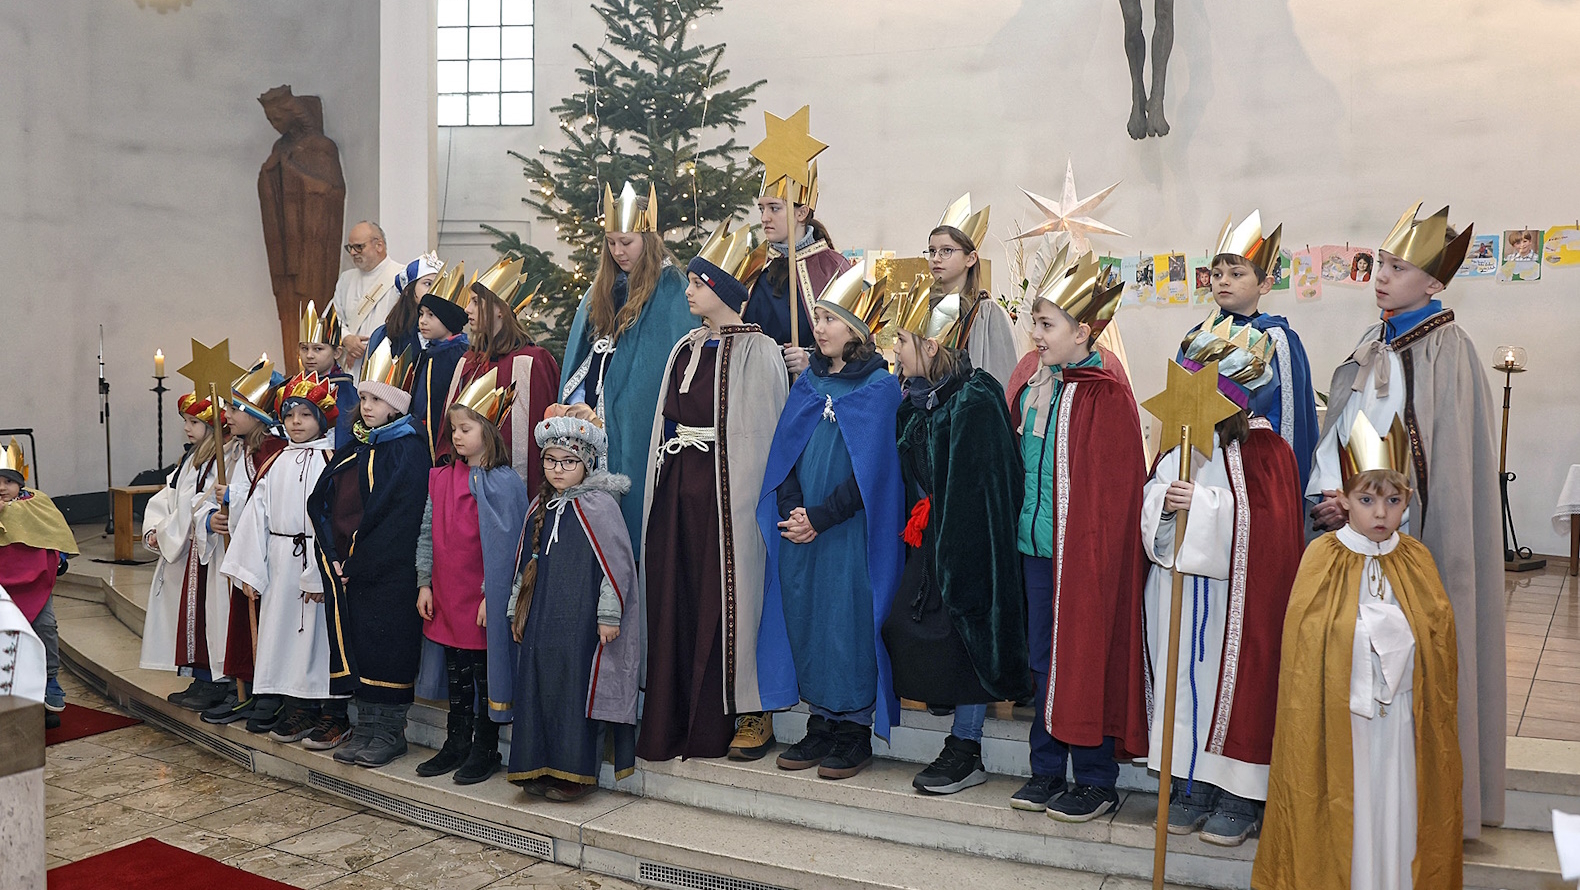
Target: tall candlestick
159 363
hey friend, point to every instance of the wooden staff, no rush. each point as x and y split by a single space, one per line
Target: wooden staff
795 308
1160 843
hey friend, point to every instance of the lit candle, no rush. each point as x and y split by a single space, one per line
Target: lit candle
159 363
1508 358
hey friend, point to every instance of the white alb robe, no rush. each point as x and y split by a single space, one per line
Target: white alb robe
272 551
363 299
1207 552
1380 410
1382 727
178 516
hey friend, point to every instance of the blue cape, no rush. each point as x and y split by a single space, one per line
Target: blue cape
866 421
633 383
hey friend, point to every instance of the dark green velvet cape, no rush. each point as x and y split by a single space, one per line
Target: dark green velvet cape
964 454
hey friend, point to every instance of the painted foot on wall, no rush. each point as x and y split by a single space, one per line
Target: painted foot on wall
1138 120
1156 124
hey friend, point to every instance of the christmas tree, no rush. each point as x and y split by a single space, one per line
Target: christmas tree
648 97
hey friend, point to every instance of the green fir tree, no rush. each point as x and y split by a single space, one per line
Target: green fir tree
649 97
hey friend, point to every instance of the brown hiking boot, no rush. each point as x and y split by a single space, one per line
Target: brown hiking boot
754 737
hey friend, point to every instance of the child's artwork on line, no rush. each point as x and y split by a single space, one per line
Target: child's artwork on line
1522 255
1169 279
1281 271
1481 259
1201 274
1561 246
1303 276
1346 266
1130 273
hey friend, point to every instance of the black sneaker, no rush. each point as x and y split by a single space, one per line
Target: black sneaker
296 724
264 715
51 720
852 751
1188 810
1083 803
1235 819
228 711
958 767
176 697
202 695
1033 796
813 747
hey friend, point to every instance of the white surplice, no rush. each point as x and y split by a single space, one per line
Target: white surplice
178 516
1207 553
1380 408
1382 727
272 551
363 299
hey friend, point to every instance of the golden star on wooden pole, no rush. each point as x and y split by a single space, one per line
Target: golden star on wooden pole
211 365
789 148
1191 404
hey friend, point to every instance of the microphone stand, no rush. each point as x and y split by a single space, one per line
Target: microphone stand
104 418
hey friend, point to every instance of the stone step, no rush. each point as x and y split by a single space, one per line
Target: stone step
681 823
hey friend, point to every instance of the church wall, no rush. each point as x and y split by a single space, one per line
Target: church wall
129 165
1331 116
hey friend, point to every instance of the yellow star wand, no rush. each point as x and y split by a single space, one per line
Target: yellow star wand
211 369
786 152
1192 404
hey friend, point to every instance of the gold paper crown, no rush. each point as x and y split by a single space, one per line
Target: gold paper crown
856 304
382 366
1368 451
1243 353
254 389
1424 243
11 459
784 188
912 309
626 215
502 279
959 215
1245 240
451 286
316 328
730 251
1076 286
485 396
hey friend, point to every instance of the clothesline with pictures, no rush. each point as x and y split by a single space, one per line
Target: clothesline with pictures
1172 278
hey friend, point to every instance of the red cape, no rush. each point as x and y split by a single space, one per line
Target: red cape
1274 547
1098 674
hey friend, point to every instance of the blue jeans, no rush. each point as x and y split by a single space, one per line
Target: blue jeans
863 716
1094 765
968 722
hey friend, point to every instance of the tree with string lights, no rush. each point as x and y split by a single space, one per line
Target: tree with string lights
648 98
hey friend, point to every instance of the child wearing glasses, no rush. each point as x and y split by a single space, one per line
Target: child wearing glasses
990 338
466 563
580 631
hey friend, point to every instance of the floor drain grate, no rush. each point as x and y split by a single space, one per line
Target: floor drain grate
658 874
530 844
228 750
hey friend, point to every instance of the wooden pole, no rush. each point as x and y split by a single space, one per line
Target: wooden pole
795 307
1160 843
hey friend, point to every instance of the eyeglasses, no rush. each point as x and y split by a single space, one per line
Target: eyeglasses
566 465
941 253
354 248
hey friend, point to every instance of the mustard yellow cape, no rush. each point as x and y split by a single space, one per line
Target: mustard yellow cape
1308 833
36 522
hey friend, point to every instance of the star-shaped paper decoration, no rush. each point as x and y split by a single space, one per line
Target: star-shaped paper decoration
211 365
789 148
1069 214
1191 399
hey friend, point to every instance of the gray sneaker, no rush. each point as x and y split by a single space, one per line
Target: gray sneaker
1233 821
1189 810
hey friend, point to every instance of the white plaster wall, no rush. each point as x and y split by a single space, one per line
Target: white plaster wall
1332 116
128 169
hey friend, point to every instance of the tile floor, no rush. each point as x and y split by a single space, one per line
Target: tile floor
118 787
1544 653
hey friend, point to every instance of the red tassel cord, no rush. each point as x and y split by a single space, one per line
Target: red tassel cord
918 521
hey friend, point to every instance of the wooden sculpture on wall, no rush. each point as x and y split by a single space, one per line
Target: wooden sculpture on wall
303 197
1146 112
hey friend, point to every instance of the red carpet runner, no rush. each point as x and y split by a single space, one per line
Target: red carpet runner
151 865
77 723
